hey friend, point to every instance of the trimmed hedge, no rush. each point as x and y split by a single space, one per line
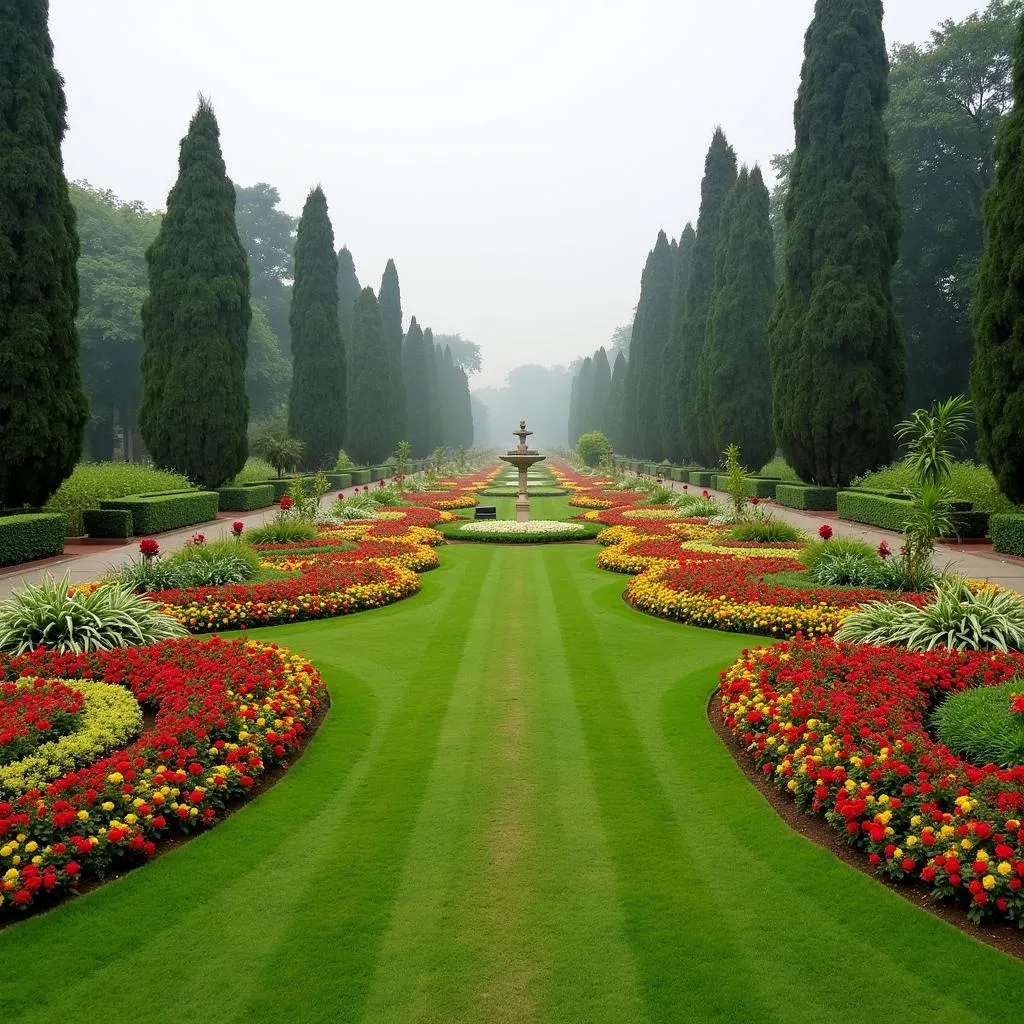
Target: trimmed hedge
1007 531
24 538
756 486
360 476
344 480
807 496
157 513
245 498
107 522
971 524
703 477
873 509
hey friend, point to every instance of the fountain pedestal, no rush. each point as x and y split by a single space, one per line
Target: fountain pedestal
522 458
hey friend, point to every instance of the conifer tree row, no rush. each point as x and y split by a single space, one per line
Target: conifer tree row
391 322
669 412
43 408
348 292
369 434
195 320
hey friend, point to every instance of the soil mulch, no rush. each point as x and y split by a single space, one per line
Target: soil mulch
1003 936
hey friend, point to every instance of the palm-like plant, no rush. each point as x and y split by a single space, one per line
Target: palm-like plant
932 435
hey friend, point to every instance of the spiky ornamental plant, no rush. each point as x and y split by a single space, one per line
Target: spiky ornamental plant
368 440
317 407
668 411
997 373
195 320
736 350
837 350
414 369
43 408
691 329
348 292
390 303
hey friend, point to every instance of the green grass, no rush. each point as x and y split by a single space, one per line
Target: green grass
515 811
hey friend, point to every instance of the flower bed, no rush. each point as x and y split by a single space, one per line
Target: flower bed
507 531
225 712
842 728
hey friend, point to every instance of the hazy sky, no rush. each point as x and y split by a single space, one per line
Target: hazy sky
515 159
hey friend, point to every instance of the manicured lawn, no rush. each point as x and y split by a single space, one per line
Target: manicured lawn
540 508
515 811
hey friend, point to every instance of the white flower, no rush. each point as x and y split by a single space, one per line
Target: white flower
506 526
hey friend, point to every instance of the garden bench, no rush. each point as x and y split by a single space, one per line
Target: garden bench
485 512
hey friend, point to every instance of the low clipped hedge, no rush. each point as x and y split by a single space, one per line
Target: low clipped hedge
107 522
454 531
360 476
971 524
873 509
24 538
1007 532
681 474
807 496
532 492
702 477
754 486
157 513
245 498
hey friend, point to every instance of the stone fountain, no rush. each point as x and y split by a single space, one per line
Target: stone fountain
522 458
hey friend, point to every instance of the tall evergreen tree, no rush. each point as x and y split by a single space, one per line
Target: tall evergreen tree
368 440
348 292
430 379
668 410
584 395
574 410
640 426
391 322
414 371
449 398
600 392
317 407
997 372
463 409
691 329
43 408
736 351
618 393
837 352
195 320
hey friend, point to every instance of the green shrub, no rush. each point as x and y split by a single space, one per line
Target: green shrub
593 447
824 550
703 477
360 477
107 522
255 471
959 619
658 496
280 531
215 564
1007 530
805 496
342 463
92 482
245 499
157 513
848 569
779 469
24 538
967 481
873 509
978 724
44 615
765 530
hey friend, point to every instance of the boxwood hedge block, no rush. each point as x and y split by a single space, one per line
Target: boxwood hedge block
873 509
806 496
156 513
703 477
360 476
971 524
107 522
246 497
1007 532
24 538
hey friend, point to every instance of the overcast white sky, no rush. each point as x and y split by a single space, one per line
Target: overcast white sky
516 159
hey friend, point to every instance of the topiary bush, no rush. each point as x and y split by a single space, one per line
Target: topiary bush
805 496
107 522
246 498
156 513
24 538
1007 532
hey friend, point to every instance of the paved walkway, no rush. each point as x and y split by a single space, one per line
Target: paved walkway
979 561
84 562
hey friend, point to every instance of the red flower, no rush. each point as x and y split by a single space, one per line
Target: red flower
884 551
237 527
705 494
286 502
755 500
825 531
148 548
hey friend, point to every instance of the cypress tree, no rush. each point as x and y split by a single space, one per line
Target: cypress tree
600 392
837 351
414 370
736 352
997 372
719 178
195 320
43 408
615 401
391 322
348 292
430 379
668 410
368 440
317 406
584 394
463 409
574 402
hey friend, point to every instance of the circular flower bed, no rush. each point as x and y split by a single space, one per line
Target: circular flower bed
842 728
507 531
535 491
224 712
